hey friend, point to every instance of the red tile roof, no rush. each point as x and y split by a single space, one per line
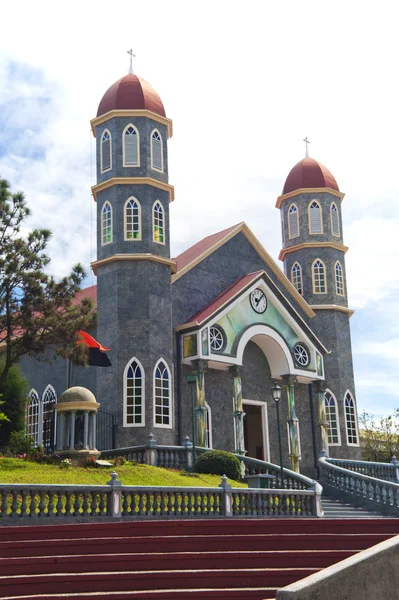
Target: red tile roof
309 173
89 292
131 93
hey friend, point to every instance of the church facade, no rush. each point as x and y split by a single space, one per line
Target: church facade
199 340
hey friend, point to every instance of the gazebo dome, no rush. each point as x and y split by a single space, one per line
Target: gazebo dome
309 173
131 93
77 394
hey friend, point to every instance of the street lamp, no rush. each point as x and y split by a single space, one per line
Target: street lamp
276 394
192 380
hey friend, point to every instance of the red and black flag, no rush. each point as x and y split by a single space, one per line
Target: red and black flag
97 352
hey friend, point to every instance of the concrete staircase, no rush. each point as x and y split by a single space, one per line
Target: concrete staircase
337 509
190 559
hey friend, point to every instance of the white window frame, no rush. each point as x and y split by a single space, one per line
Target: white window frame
357 444
338 443
313 277
161 425
50 389
290 234
264 422
102 223
296 263
126 238
209 425
110 151
310 220
124 146
163 223
125 396
332 220
35 434
339 279
161 170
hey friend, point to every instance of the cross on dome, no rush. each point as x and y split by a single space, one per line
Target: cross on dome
131 60
306 142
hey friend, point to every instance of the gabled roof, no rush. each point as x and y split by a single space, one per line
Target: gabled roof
201 250
89 292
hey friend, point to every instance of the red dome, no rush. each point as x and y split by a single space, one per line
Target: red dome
309 173
131 93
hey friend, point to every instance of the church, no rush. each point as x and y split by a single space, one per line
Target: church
218 342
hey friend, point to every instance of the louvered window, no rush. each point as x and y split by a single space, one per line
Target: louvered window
158 223
293 221
106 224
156 151
134 394
339 279
132 220
332 418
162 395
350 416
315 217
319 277
334 220
105 151
131 147
296 277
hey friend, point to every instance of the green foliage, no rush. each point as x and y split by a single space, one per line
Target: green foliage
21 443
118 461
90 462
379 436
38 455
13 393
218 462
65 463
36 311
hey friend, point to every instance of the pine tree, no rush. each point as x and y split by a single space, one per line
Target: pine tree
36 311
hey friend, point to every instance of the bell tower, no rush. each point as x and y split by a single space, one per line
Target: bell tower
133 265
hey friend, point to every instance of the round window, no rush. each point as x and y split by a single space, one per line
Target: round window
216 339
301 355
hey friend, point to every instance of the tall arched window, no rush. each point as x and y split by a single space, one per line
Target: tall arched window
330 404
339 279
49 402
105 151
315 218
158 223
131 146
132 219
334 219
156 151
162 395
319 277
296 277
106 224
134 414
32 416
293 221
351 421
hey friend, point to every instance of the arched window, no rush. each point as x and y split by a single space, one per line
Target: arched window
156 151
296 277
32 416
49 402
319 277
134 414
131 146
330 404
162 395
334 219
208 432
132 219
339 279
106 224
293 221
106 151
315 218
351 421
158 223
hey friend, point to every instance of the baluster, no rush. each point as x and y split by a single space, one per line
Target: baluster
59 506
94 504
191 503
42 504
68 504
183 506
14 503
76 505
85 504
4 495
141 503
163 503
23 512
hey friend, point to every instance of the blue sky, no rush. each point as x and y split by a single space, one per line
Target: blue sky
244 83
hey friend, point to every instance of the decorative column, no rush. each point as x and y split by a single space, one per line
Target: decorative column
320 388
292 420
72 416
238 413
86 431
199 367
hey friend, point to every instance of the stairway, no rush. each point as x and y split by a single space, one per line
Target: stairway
187 559
338 509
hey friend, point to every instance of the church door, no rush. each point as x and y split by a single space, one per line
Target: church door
256 435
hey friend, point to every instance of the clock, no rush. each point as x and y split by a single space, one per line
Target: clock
258 301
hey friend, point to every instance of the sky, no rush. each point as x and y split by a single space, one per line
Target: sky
244 83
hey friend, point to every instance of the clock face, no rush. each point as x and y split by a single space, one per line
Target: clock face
258 301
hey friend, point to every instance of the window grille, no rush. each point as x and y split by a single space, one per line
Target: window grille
332 418
158 223
315 217
296 277
350 416
132 220
131 147
162 395
319 277
106 224
339 279
134 394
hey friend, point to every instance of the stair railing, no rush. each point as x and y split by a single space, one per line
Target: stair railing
379 470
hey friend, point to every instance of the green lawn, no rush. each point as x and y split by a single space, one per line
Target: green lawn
16 470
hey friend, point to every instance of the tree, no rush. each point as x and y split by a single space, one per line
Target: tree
13 394
379 436
36 311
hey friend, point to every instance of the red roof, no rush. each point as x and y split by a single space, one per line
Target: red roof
309 173
194 252
131 93
224 297
89 292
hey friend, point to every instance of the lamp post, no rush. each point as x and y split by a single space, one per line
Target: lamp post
192 380
276 393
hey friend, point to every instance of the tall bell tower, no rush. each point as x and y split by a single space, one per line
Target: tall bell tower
133 265
313 253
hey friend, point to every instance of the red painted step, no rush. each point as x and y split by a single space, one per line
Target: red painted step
192 594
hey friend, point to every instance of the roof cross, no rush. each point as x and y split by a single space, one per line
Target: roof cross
131 60
307 151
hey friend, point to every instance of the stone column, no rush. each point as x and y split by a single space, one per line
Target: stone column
86 431
61 443
292 420
320 388
239 414
199 367
94 430
72 430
